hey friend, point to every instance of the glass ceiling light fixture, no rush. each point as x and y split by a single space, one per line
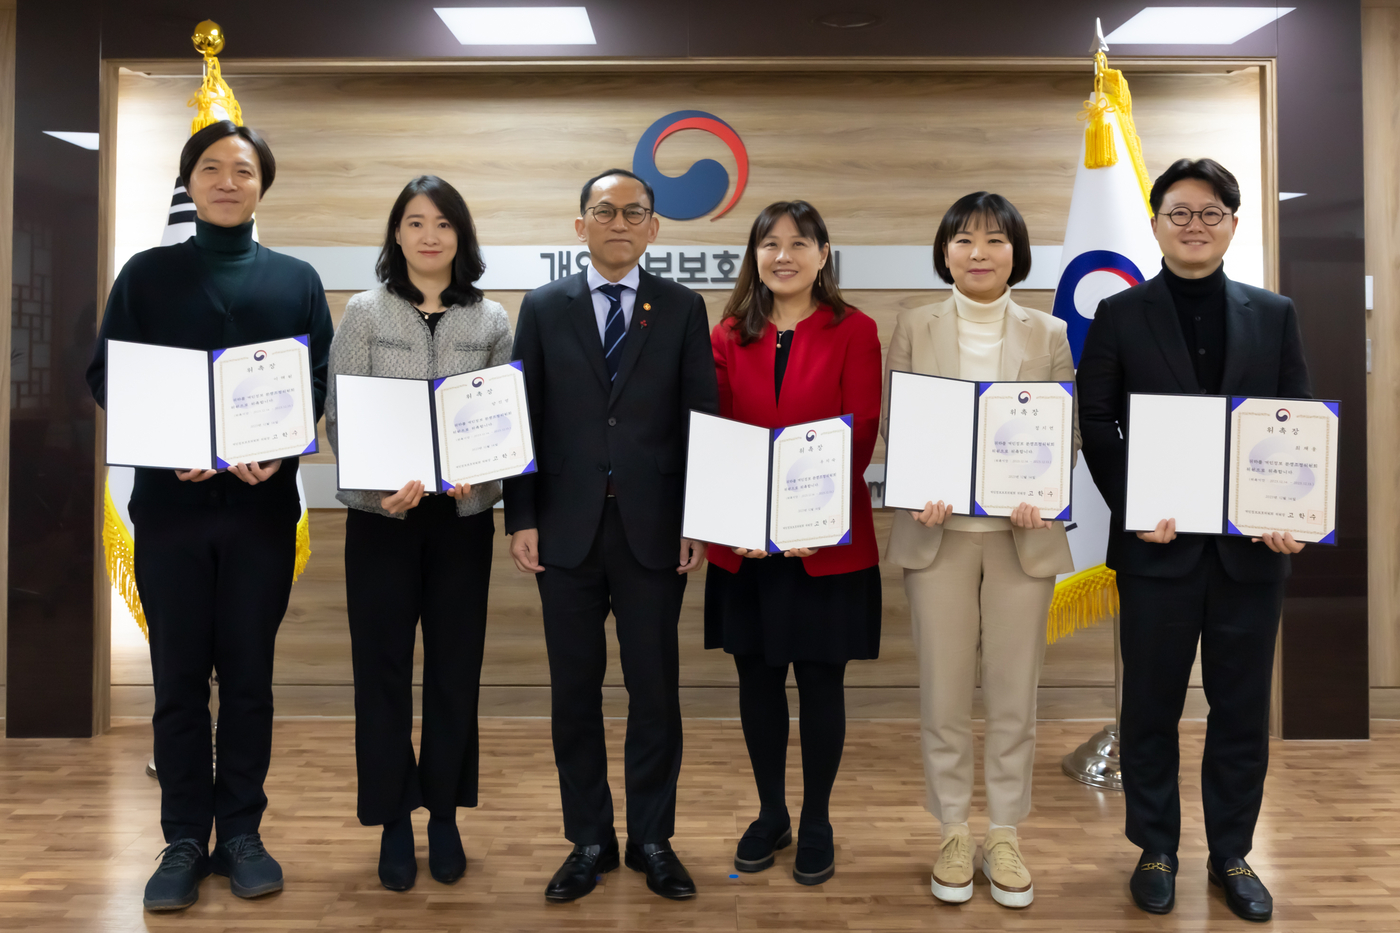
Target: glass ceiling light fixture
518 25
84 140
1194 25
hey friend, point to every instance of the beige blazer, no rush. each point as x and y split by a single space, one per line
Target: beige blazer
1034 347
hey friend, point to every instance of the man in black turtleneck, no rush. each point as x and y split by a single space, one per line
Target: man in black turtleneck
1191 330
215 550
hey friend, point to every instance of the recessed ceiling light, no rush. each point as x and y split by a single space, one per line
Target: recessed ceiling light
524 25
1194 25
85 140
1290 195
848 19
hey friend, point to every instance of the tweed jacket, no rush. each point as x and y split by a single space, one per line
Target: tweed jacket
383 335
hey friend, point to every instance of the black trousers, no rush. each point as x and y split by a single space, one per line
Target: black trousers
1236 624
646 604
429 565
214 584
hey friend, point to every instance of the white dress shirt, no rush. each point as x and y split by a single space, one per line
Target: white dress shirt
601 304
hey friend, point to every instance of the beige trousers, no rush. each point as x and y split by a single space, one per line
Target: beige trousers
975 593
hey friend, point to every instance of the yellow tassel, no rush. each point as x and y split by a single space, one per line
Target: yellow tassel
1099 148
121 557
1087 598
213 90
1112 96
303 543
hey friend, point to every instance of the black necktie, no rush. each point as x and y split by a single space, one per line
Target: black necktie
615 330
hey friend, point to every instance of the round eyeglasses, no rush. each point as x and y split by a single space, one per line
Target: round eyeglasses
1181 216
604 213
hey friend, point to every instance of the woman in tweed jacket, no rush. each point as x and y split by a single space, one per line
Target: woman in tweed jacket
409 555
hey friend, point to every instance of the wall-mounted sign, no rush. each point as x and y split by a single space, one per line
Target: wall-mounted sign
700 189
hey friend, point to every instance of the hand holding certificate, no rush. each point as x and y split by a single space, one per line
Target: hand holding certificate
767 489
1263 468
196 409
463 429
984 448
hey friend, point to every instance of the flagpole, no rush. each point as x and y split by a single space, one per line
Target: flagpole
1096 762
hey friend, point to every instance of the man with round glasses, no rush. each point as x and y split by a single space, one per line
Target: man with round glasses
615 359
1190 329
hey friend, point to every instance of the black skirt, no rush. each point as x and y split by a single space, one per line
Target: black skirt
771 607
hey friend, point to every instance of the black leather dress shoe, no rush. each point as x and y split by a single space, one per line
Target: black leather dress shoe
1244 892
579 873
764 837
1153 884
665 873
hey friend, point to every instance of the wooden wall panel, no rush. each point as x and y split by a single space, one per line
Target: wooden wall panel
1380 62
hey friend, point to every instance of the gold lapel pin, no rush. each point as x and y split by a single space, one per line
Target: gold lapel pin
647 306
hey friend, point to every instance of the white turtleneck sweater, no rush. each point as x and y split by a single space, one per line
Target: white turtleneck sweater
981 327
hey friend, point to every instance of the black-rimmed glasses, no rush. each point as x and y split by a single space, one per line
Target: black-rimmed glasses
1181 216
604 213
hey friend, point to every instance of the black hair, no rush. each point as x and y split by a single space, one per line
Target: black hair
996 213
751 301
1227 189
467 266
588 188
196 145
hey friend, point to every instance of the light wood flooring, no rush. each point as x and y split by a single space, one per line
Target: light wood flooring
79 830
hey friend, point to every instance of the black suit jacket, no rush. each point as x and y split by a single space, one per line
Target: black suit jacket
1135 344
584 426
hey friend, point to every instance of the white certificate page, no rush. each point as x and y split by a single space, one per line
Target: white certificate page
1025 440
158 407
810 503
263 408
384 433
1283 468
930 442
1176 462
726 483
483 426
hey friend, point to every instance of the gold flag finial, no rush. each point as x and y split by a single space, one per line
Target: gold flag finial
214 92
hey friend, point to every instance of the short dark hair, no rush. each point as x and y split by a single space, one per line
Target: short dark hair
196 145
751 301
998 214
1227 189
588 188
467 266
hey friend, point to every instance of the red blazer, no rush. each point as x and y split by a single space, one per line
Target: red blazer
831 371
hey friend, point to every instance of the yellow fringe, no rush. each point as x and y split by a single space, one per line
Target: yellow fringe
1111 87
1099 149
303 543
121 557
214 90
1087 598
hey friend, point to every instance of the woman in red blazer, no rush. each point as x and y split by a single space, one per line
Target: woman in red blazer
789 350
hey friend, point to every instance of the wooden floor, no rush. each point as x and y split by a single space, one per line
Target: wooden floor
78 833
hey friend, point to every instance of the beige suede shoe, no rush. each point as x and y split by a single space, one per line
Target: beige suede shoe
1001 863
952 873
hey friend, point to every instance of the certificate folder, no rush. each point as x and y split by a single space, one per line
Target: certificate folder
469 428
981 447
181 409
1233 465
768 489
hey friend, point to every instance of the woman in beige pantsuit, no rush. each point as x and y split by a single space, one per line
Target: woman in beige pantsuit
980 581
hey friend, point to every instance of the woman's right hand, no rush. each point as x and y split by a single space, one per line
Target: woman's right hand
755 553
403 500
933 514
195 476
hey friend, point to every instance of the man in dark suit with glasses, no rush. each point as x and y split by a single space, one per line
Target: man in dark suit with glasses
614 361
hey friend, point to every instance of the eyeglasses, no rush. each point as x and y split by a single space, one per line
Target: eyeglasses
604 213
1210 216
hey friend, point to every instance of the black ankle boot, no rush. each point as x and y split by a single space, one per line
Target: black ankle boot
398 868
446 859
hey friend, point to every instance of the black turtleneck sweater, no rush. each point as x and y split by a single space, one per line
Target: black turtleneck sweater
1200 307
219 289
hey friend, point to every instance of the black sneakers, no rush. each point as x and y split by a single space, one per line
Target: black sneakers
175 885
251 871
